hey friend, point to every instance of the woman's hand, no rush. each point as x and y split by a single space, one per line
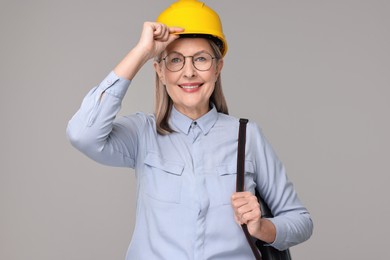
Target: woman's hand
156 37
247 211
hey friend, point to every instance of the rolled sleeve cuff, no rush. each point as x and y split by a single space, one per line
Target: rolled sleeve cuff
281 233
114 85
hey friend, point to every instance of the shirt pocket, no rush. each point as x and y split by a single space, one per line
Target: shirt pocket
163 178
228 177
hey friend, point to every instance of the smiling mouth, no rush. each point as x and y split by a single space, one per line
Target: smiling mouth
190 86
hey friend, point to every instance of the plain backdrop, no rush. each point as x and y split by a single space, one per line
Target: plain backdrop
315 75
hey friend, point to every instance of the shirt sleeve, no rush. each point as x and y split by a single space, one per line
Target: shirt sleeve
291 219
94 131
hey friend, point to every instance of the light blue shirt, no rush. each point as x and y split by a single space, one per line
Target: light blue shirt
185 179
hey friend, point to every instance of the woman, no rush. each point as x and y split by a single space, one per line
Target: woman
184 156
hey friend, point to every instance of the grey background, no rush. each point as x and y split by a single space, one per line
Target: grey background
314 74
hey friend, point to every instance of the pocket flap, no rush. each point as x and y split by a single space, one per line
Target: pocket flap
156 161
231 168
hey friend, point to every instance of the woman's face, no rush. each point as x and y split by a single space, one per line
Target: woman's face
189 88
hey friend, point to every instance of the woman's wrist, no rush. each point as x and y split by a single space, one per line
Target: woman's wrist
266 232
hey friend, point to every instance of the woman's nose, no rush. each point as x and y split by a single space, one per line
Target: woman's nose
189 70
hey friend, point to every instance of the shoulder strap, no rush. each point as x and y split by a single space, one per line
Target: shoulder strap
241 155
240 183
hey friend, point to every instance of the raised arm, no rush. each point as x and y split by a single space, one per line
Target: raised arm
93 129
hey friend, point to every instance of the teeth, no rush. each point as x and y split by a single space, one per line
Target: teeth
190 87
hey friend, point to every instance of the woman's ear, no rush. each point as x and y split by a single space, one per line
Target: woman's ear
159 72
219 67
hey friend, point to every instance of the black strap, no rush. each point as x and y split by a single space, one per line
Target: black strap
240 183
241 155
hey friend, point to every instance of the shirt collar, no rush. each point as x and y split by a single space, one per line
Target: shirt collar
183 123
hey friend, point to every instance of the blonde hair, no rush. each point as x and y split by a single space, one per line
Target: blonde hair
163 103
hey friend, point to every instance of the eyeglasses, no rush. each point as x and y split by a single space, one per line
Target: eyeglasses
175 61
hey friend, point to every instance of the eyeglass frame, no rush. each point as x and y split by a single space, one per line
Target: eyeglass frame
192 60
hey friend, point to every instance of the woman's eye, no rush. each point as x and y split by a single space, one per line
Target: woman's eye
200 59
176 60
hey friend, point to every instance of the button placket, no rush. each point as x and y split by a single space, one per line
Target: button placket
195 131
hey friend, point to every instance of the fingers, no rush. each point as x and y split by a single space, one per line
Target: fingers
243 194
241 198
155 37
250 215
246 207
176 30
163 33
160 32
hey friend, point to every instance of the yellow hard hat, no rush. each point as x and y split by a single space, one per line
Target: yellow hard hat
197 19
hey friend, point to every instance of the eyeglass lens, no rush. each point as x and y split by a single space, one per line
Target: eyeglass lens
201 61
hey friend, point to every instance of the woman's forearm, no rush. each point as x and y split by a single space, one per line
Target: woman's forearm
129 66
